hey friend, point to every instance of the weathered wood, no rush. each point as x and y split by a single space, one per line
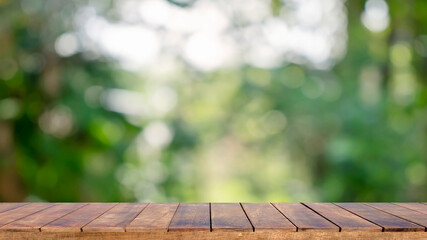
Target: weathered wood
8 206
387 221
265 217
115 219
191 217
17 213
304 218
34 222
74 221
414 206
229 217
402 212
214 235
155 217
346 220
226 220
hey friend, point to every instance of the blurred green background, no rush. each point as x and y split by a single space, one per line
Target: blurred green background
204 100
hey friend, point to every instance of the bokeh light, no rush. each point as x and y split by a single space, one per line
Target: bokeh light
207 100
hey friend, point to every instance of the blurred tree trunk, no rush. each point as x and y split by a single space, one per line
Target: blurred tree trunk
11 189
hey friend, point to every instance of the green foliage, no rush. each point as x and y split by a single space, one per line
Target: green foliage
246 134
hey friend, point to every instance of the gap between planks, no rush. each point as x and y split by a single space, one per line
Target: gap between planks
223 211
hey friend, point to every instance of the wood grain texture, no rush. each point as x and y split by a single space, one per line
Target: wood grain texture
17 213
387 221
304 218
402 212
8 206
419 207
214 235
265 217
34 222
229 217
227 220
115 219
347 221
191 217
155 217
74 221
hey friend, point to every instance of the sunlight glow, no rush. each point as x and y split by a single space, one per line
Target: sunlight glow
134 46
67 45
207 52
376 17
157 134
204 35
124 101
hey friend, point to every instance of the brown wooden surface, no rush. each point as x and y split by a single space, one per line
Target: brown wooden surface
17 213
191 217
74 221
419 207
34 222
115 219
387 221
402 212
212 221
155 217
265 217
8 206
214 235
304 218
343 218
229 217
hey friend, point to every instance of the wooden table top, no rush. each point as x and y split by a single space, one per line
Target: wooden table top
212 220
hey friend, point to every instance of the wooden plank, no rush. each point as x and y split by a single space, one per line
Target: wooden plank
402 212
304 218
265 217
229 220
34 222
17 213
387 221
191 217
74 221
8 206
214 235
229 217
347 221
414 206
115 219
156 217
